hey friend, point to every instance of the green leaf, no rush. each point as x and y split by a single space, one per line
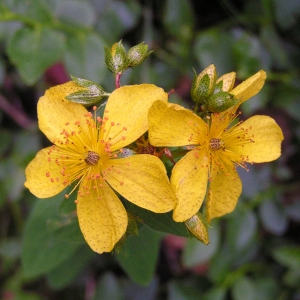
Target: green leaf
37 10
42 251
84 57
66 272
139 255
119 15
76 12
207 50
244 289
196 253
33 50
273 217
159 222
289 256
179 19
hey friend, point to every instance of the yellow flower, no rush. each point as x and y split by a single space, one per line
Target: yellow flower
84 153
216 148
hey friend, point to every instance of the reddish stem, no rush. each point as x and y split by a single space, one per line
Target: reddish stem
16 114
118 77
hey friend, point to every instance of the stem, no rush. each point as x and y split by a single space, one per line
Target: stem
16 114
118 77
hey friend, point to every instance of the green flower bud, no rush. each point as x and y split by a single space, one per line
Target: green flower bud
203 85
116 58
91 95
219 102
225 83
197 226
137 54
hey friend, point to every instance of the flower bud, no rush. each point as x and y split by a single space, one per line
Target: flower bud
197 226
203 85
91 95
116 58
225 83
137 54
219 102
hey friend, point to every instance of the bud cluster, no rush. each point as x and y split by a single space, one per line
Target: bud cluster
212 94
118 61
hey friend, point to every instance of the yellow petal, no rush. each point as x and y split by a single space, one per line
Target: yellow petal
54 111
189 179
172 125
127 107
249 87
37 181
142 180
267 137
223 194
102 221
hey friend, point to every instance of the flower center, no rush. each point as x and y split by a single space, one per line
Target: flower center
215 144
92 158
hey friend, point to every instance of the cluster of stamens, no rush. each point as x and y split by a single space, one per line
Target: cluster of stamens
80 153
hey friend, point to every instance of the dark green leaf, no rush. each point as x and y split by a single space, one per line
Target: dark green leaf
159 222
289 256
34 50
84 57
244 289
139 255
66 272
42 251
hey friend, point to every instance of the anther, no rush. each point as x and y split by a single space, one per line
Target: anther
92 158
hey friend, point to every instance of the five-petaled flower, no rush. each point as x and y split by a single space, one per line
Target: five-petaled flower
85 152
216 148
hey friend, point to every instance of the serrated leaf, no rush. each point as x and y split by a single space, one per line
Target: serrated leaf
33 50
139 255
42 251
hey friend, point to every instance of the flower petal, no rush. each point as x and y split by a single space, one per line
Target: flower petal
39 184
223 194
142 180
189 179
54 111
249 87
102 218
172 125
267 137
127 107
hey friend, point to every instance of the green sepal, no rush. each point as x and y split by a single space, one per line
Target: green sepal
203 85
92 94
116 58
137 54
219 102
197 226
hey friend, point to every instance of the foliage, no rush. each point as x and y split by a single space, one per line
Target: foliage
254 252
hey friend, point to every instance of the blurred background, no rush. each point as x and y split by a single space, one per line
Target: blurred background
254 252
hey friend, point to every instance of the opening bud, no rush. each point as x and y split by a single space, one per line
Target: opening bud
203 85
116 58
91 95
225 83
197 226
